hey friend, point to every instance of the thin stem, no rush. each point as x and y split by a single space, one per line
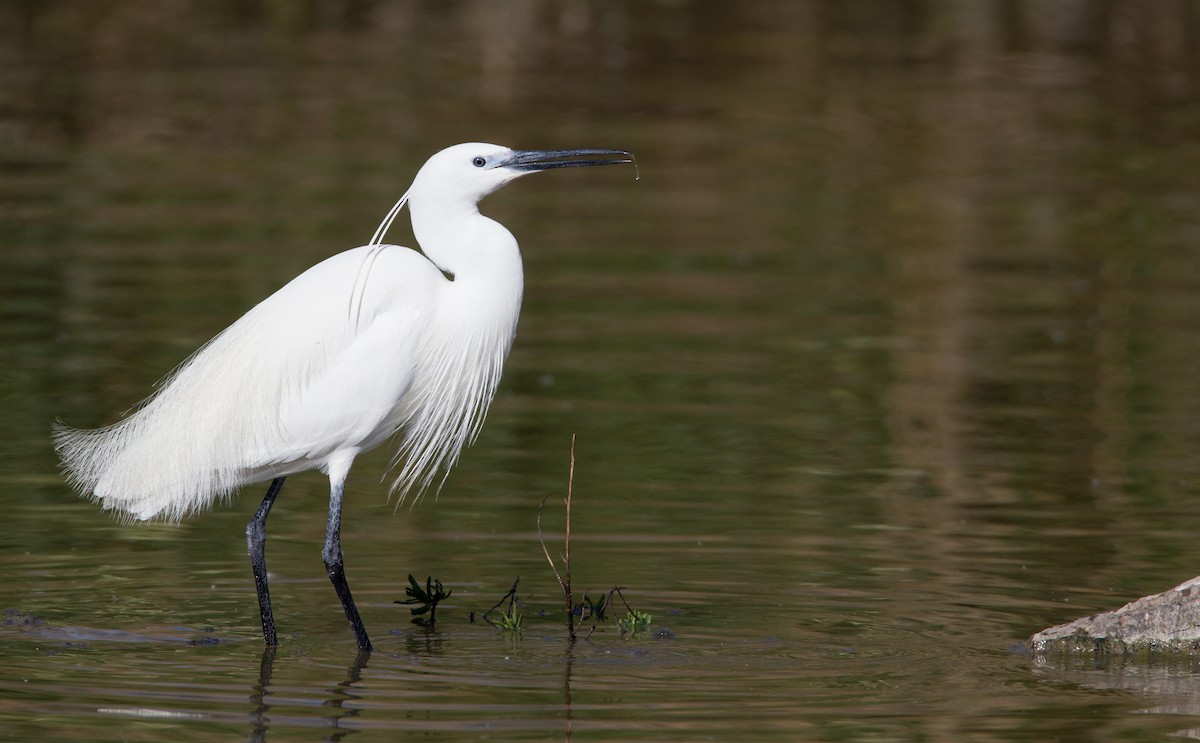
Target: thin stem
567 550
542 541
564 580
512 594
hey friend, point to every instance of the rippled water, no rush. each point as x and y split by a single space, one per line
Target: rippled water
886 362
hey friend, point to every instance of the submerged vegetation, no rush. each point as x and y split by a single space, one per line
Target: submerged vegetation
507 614
510 617
426 599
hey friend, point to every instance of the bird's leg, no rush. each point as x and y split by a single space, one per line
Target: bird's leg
334 569
256 545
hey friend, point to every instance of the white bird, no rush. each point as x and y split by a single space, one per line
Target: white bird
377 341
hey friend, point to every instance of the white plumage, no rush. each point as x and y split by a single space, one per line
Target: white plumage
296 381
377 341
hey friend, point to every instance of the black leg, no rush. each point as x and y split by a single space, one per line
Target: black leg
334 569
256 545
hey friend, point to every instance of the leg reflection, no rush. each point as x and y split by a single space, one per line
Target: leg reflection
260 719
259 698
343 692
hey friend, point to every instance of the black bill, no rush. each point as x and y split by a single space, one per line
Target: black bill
531 160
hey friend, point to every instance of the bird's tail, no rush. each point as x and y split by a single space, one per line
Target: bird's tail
169 458
85 458
115 467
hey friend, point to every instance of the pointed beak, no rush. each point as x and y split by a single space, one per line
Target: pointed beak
528 161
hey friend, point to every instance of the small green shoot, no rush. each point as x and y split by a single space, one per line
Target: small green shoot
635 622
426 598
508 619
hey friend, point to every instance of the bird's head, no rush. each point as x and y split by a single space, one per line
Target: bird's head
468 172
458 177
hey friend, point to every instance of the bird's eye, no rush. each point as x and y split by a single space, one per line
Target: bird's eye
479 162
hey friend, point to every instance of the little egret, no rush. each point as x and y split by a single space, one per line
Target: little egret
377 341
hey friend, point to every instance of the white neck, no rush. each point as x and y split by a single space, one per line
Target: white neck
474 326
461 241
482 260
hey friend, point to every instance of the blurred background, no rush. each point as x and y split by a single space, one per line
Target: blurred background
885 362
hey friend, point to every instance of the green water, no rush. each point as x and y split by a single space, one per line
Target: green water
887 361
